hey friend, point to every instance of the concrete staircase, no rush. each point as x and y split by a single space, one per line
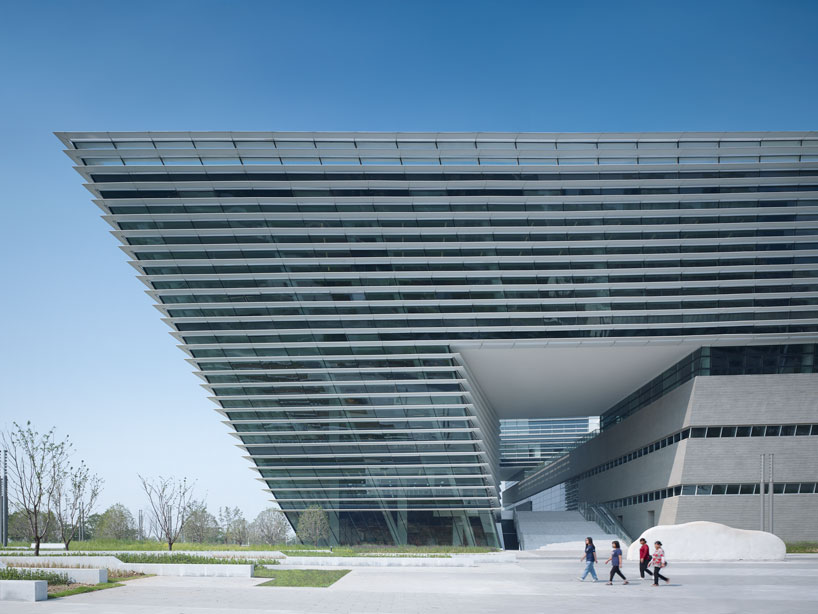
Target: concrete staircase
559 532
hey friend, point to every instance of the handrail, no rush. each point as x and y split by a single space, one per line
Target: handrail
600 514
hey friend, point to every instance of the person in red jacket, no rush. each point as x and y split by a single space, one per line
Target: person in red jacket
644 558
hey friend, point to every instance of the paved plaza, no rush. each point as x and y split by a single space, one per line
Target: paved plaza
532 584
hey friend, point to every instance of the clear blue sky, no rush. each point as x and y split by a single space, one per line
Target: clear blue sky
82 348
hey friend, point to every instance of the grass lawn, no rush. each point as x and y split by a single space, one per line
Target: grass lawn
84 588
802 547
301 577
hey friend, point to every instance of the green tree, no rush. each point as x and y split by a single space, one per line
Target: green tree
234 525
116 523
269 527
201 526
313 526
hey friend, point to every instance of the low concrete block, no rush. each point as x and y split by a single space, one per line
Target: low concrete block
50 546
172 569
23 590
372 561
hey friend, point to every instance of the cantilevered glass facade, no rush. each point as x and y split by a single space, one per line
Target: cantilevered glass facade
325 284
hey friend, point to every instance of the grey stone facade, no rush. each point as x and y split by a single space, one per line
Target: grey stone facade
740 400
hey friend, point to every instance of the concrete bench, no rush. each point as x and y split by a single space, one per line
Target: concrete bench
23 590
77 574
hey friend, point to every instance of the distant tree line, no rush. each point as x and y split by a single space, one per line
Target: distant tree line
54 500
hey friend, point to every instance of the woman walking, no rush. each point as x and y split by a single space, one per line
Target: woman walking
658 563
644 558
590 559
616 561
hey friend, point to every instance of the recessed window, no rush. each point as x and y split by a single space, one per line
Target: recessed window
181 161
294 144
571 161
340 161
417 145
246 160
455 145
376 144
390 161
456 161
779 159
738 159
102 161
335 144
539 161
93 145
255 145
421 161
656 145
498 161
617 160
213 144
134 144
698 160
301 160
616 145
802 429
536 145
174 144
788 430
766 143
739 144
508 145
220 161
657 160
142 162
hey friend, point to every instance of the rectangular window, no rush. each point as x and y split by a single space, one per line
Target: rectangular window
697 432
93 145
788 430
732 489
742 431
728 431
255 145
802 429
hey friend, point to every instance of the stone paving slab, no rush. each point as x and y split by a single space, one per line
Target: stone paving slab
527 587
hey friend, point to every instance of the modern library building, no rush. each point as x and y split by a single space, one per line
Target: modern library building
394 324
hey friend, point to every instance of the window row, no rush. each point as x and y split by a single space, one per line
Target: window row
596 330
293 429
459 222
352 412
454 252
452 323
352 363
338 376
786 430
409 175
781 488
517 308
386 143
323 192
480 295
441 161
480 236
522 266
432 207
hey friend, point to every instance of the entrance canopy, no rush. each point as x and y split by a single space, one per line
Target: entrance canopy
562 381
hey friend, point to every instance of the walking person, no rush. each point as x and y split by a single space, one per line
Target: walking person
644 558
658 563
590 559
616 562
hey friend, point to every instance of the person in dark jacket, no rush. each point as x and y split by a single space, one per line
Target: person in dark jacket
644 558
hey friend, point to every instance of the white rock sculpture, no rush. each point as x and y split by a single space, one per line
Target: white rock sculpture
711 541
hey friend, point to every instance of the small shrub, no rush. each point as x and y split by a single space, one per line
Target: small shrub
13 573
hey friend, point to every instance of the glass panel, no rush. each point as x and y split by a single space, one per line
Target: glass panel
376 144
354 161
788 430
294 144
738 159
575 146
541 161
417 145
732 489
802 429
657 160
739 144
536 145
174 144
697 432
102 161
213 144
182 161
617 145
260 160
656 145
142 161
335 144
617 160
255 145
134 144
570 161
220 161
698 160
93 145
300 161
728 431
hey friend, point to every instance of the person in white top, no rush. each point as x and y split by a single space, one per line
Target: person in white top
658 563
